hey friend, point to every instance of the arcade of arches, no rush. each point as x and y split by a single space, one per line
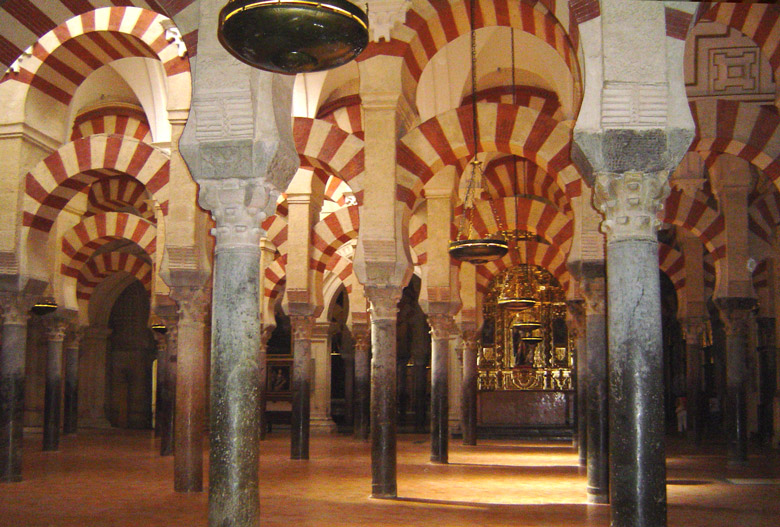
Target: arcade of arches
235 261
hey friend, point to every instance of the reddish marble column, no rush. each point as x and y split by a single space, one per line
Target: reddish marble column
302 326
52 405
168 390
190 388
384 311
469 388
576 327
12 356
441 325
71 396
362 336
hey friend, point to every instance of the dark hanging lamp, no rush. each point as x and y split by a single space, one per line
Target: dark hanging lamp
43 307
517 290
157 325
466 249
527 320
293 36
534 336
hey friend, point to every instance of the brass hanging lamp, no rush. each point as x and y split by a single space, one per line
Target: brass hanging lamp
43 307
466 249
293 36
534 336
527 320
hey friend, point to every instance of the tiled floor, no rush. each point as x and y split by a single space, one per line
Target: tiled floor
116 479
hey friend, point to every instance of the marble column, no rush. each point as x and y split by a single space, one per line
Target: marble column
52 406
262 358
190 409
71 396
596 392
236 205
441 325
736 313
302 327
362 336
470 384
12 358
630 202
168 391
768 373
577 336
348 357
383 309
693 331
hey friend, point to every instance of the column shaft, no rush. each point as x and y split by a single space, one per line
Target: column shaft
53 394
235 376
190 412
168 391
597 409
693 395
71 398
362 382
301 386
440 407
12 392
637 448
470 378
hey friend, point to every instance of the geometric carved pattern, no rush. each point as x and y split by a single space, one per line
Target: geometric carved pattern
733 70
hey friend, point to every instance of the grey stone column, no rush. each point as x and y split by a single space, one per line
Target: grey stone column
577 338
52 405
71 396
190 400
168 391
302 327
629 202
441 326
596 392
767 377
694 328
362 336
236 205
92 377
736 313
383 310
262 358
12 358
470 380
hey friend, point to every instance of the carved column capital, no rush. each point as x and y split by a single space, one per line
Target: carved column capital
192 302
575 315
736 313
302 326
594 289
695 330
16 308
56 329
75 333
470 338
630 203
238 206
383 301
362 336
442 325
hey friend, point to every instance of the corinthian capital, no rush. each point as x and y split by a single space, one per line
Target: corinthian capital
630 203
383 301
302 326
441 325
193 302
56 329
238 206
16 308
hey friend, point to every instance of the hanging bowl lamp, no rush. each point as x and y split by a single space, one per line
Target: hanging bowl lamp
517 291
43 307
466 249
527 320
293 36
534 336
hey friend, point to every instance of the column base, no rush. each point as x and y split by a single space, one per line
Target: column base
598 499
384 493
322 426
94 422
11 479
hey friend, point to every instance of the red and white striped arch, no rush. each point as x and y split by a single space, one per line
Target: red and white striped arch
539 99
532 180
336 190
748 131
546 256
81 242
275 278
758 21
113 120
276 232
764 215
341 268
709 273
76 165
330 233
24 21
447 138
418 238
534 216
672 262
106 264
118 193
697 217
432 24
346 113
323 145
65 56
